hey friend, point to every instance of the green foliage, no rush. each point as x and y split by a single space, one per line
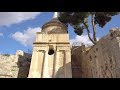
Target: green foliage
102 18
74 19
78 20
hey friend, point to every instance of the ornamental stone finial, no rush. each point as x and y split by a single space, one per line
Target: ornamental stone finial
55 15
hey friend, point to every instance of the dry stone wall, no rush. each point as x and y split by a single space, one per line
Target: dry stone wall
14 66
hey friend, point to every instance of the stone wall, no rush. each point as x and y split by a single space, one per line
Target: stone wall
103 59
14 66
76 56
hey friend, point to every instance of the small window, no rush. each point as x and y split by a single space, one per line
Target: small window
51 50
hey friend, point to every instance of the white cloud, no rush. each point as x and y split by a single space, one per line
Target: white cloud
27 37
81 39
1 34
8 18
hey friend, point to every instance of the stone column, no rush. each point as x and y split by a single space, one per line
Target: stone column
56 66
33 73
40 63
45 73
68 69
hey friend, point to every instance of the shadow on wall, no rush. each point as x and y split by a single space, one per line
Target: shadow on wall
61 70
76 61
23 65
76 67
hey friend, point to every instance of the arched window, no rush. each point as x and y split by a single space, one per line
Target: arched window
51 50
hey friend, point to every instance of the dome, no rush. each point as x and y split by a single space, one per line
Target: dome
54 26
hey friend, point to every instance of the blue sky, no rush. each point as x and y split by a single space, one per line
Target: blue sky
17 30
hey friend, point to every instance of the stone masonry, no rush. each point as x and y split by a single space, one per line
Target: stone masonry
14 66
51 56
102 60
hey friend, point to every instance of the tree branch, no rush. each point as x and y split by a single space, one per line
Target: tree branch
88 31
94 28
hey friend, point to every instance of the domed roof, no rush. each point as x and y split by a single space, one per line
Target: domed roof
62 28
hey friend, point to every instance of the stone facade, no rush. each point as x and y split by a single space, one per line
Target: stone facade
103 59
76 61
57 65
51 56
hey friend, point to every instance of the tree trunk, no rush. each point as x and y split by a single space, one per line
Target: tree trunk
94 28
88 31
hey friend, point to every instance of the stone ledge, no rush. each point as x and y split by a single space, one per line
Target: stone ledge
51 43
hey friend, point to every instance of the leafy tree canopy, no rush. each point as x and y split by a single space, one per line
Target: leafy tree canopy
79 21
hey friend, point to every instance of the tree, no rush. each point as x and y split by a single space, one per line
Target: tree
79 21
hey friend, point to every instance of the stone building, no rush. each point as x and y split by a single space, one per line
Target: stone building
51 56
